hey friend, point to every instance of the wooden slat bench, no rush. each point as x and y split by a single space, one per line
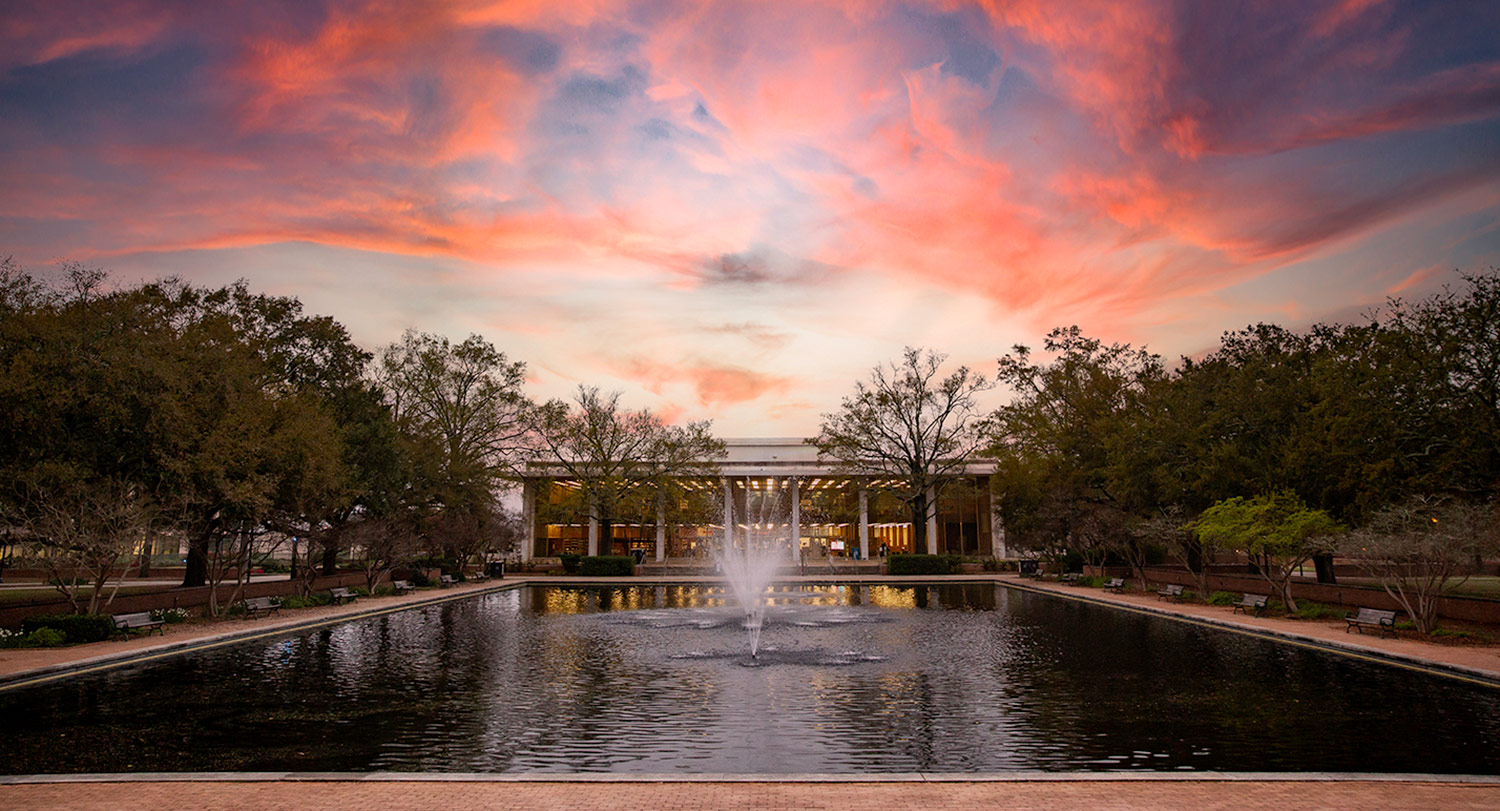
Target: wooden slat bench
447 580
402 586
125 623
341 595
1115 584
255 606
1171 591
1384 621
1068 577
1251 602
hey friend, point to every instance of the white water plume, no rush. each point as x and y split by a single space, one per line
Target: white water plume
758 542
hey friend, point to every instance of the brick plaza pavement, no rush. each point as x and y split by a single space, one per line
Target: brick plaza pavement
418 795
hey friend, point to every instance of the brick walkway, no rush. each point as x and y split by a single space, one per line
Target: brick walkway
439 796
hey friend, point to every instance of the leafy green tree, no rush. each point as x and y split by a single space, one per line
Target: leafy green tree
1061 440
462 416
623 461
909 428
1278 531
248 431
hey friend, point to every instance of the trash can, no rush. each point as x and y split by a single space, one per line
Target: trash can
496 569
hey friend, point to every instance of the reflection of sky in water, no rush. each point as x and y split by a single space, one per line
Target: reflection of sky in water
849 679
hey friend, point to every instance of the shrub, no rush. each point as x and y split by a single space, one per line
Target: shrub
1309 610
360 591
74 627
11 639
570 562
1222 598
273 566
46 638
420 579
900 564
1454 633
607 566
314 599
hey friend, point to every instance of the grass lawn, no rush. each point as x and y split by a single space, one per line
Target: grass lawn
43 592
1487 586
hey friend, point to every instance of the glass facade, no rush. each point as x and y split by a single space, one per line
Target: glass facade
688 517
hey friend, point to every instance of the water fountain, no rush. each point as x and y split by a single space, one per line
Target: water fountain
758 541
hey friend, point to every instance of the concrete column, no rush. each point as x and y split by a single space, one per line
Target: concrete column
796 520
728 514
932 521
997 531
661 526
864 522
528 518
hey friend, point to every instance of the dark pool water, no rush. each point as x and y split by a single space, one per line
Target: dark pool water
961 678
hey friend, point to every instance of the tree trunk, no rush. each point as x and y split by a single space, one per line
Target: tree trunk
331 559
1283 584
919 523
196 572
606 536
1323 564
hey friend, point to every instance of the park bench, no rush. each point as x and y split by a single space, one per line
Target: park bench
1385 621
125 623
446 580
261 605
1169 592
402 586
1115 584
1030 568
341 594
1068 577
1249 602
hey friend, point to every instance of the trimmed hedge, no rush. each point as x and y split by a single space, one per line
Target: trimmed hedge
570 562
923 564
76 627
607 566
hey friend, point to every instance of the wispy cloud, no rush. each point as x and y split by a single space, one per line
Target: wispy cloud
753 181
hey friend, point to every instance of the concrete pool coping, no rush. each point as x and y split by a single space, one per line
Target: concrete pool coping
1430 664
417 794
1025 776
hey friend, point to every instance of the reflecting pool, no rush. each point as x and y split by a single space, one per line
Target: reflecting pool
952 678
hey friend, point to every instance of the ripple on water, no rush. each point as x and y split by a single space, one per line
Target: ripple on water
975 679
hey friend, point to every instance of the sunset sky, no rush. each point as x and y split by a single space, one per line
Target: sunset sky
734 210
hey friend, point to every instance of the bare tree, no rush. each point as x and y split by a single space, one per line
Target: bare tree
232 555
1416 549
615 454
1181 545
910 429
82 533
378 545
